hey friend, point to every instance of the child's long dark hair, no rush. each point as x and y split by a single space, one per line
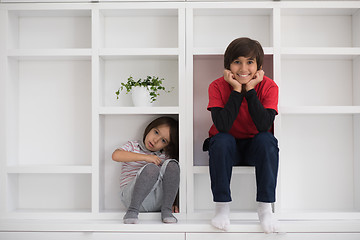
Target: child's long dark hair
172 149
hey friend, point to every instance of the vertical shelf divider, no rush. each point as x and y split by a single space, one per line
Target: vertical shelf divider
95 178
3 122
276 31
189 111
182 110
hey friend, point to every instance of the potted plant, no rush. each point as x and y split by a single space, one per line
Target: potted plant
143 91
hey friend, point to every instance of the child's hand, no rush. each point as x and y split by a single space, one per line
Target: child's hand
229 78
153 159
175 209
258 77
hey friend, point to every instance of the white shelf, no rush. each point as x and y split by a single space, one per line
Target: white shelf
49 169
319 110
108 52
34 29
236 170
115 69
138 110
148 28
48 192
314 22
324 51
220 51
75 53
211 19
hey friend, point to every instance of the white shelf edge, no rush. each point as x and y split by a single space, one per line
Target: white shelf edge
236 170
301 215
49 169
215 4
220 51
138 110
319 4
56 52
188 226
139 51
342 51
320 110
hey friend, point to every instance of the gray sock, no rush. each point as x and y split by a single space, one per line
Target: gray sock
144 183
171 182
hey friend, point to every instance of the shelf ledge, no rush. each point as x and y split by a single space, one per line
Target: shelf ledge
138 110
49 169
320 110
147 226
236 170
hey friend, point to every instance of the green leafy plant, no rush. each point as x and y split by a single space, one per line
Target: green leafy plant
153 84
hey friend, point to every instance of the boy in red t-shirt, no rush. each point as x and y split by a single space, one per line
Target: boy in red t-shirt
243 105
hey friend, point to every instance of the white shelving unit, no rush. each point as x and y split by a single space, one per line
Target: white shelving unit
63 64
60 65
319 105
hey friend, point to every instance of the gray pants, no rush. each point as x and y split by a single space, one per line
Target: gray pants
152 202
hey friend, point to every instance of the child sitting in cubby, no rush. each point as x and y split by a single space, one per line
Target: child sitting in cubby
243 105
150 173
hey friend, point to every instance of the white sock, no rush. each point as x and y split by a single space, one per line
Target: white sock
267 219
221 219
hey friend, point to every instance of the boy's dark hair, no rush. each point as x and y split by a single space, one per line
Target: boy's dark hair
244 47
172 149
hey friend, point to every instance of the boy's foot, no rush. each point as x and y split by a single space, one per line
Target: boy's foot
221 219
267 219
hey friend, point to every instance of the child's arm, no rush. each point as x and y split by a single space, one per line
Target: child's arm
223 118
125 156
229 78
263 118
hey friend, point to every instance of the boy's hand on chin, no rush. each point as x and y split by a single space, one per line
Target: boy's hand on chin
258 77
229 78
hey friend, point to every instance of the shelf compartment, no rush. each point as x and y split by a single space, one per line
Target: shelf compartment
319 80
208 68
34 29
209 31
48 112
243 191
115 131
49 192
301 27
117 69
139 28
320 164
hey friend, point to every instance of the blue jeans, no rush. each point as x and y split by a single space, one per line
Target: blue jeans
261 151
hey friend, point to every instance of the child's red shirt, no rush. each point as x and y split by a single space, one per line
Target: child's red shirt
243 127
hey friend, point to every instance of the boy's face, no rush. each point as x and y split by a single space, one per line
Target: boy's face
244 69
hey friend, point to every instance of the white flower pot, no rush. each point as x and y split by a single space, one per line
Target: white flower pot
141 97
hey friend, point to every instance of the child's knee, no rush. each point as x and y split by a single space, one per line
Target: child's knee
151 169
173 166
222 140
265 138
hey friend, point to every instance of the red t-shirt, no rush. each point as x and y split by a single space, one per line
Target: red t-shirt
243 126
